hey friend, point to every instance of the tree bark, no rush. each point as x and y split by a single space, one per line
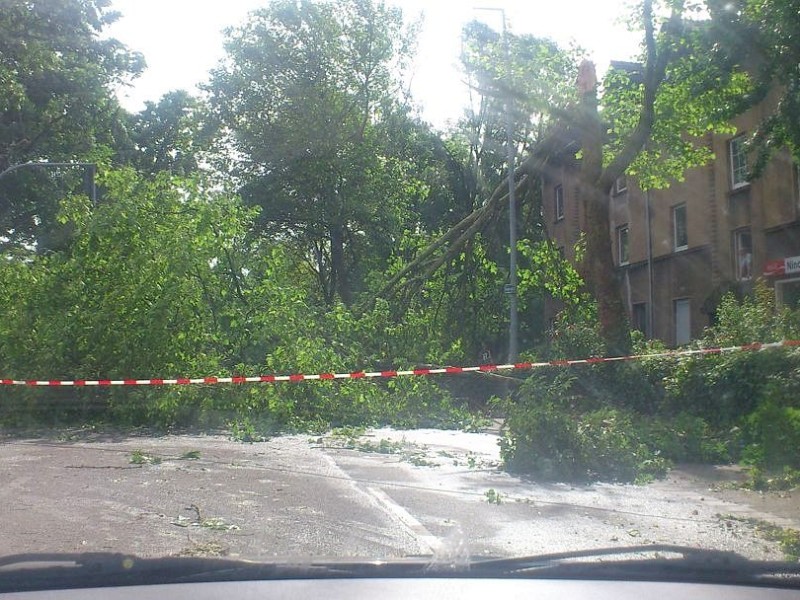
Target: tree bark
598 262
339 279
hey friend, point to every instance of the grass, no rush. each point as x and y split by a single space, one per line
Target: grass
348 431
419 460
353 438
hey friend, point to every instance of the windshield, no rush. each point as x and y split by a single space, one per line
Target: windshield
295 280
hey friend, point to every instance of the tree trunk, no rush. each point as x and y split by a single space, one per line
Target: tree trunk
339 279
598 263
600 273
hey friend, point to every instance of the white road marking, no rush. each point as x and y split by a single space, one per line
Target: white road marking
429 543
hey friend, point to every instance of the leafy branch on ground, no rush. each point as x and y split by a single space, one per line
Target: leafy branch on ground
199 520
773 480
493 496
354 439
787 538
138 457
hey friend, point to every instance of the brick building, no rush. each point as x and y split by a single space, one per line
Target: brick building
679 250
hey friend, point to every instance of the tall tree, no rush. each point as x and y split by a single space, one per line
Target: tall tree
303 93
655 115
58 75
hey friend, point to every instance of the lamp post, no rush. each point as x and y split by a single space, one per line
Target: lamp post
86 165
511 287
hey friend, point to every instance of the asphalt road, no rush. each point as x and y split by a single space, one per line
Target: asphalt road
383 494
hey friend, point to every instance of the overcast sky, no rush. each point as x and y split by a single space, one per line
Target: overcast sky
181 40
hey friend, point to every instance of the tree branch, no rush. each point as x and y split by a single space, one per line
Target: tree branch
422 267
655 72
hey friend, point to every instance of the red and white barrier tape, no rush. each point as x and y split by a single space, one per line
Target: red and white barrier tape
378 374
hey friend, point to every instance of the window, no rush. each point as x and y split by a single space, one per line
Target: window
558 202
743 254
788 293
738 156
623 245
621 185
639 317
681 234
683 322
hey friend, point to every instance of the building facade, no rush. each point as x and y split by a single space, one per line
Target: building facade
679 250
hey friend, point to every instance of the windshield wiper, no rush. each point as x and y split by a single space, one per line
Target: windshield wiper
45 571
645 563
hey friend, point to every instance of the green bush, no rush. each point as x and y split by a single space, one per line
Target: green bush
575 337
620 421
754 318
542 440
772 433
689 439
616 449
591 387
723 389
552 443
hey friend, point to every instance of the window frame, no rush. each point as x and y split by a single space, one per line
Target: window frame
620 189
737 266
675 246
626 230
737 142
558 202
780 300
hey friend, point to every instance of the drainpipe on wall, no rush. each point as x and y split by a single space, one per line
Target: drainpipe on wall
650 312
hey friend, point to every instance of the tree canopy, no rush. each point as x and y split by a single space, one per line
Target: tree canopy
309 94
58 78
762 37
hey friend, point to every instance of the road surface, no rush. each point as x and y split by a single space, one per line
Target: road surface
381 494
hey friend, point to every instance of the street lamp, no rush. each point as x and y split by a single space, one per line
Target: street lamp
86 165
511 288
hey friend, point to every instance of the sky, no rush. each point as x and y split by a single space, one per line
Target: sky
181 40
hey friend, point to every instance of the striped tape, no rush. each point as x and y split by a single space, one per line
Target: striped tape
385 374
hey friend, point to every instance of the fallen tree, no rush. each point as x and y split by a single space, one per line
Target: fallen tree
654 119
